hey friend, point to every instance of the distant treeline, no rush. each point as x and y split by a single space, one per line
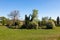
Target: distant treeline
30 22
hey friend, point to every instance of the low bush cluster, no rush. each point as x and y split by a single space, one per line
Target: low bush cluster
32 25
50 25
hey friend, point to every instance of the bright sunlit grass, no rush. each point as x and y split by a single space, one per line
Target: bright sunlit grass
29 34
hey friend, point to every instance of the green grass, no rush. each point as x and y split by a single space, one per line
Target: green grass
27 34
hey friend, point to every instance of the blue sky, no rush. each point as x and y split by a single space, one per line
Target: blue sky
50 8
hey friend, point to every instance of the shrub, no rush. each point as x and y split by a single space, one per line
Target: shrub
13 27
33 25
19 26
39 23
0 24
30 25
50 25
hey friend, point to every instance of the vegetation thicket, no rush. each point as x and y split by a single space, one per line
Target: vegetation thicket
31 21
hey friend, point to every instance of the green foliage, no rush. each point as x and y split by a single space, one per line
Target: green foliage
29 24
50 24
44 21
58 20
34 14
15 27
39 23
27 19
18 24
12 27
10 24
3 20
33 25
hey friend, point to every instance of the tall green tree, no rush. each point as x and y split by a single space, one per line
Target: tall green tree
58 20
30 21
27 20
34 14
34 18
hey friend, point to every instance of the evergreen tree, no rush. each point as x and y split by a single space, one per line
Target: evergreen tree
58 20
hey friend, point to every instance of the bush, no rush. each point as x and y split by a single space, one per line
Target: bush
30 25
33 25
0 24
13 27
50 25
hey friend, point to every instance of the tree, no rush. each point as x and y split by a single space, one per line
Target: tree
44 21
58 20
34 15
34 18
3 20
14 16
50 18
27 21
31 21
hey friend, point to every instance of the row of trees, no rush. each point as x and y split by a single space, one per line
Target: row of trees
30 22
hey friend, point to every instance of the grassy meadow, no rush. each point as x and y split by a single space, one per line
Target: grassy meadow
29 34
